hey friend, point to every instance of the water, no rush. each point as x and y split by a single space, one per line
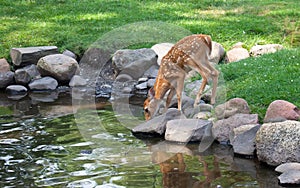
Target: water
42 144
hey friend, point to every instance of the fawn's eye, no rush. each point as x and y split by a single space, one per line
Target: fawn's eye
146 110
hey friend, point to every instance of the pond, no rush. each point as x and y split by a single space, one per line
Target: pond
50 140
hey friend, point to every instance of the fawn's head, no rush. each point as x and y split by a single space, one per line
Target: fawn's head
150 105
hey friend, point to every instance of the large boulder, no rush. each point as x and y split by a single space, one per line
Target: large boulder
161 50
6 78
231 107
237 53
58 66
281 110
242 139
265 49
30 55
157 125
133 62
187 130
24 75
4 65
45 83
278 142
217 53
222 128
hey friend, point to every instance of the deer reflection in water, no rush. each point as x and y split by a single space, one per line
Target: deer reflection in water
174 172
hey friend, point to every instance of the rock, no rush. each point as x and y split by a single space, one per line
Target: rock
231 107
150 83
151 72
4 65
186 130
242 139
161 50
157 125
30 55
265 49
203 115
281 110
16 90
77 81
6 78
217 53
290 177
24 75
69 53
45 83
58 66
205 107
192 88
287 167
142 86
278 142
222 128
133 62
237 53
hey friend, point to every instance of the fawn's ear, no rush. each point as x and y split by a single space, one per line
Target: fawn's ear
151 93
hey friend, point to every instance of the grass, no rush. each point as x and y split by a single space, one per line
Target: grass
75 25
264 79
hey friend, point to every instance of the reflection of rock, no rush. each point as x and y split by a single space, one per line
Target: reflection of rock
43 96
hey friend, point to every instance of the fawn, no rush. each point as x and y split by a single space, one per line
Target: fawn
192 51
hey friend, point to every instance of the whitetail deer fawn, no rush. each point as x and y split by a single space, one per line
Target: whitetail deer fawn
192 51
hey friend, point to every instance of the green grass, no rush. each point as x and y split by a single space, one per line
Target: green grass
264 79
75 25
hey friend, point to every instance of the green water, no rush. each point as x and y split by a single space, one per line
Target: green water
43 144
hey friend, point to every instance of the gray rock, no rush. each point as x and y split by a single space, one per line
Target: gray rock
237 53
69 53
290 177
203 115
161 50
123 78
4 65
142 86
16 90
30 55
133 62
281 110
151 72
150 83
77 81
231 107
217 53
58 66
222 128
278 142
242 139
6 78
45 83
24 75
185 130
265 49
157 125
287 167
192 88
